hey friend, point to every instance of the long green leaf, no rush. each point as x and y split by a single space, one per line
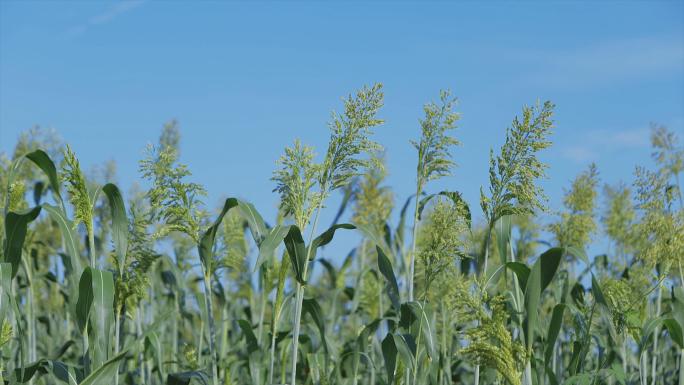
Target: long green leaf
102 313
532 298
119 223
327 236
554 329
385 267
270 243
502 229
389 354
250 338
310 306
296 250
16 227
675 330
206 244
41 159
69 238
103 375
85 299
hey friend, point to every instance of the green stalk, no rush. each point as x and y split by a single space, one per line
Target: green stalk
420 334
30 313
262 312
412 256
210 320
141 357
91 244
681 367
277 308
300 297
484 272
117 327
174 331
654 363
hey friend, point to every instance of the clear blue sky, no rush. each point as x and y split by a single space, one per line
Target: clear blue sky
246 79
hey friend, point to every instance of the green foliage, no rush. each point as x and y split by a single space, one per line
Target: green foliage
181 300
618 217
660 228
577 223
350 139
174 201
434 159
77 188
440 240
295 181
512 173
373 202
491 344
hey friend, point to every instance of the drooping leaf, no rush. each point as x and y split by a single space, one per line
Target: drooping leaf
389 354
16 226
41 159
206 244
554 329
550 260
311 307
521 271
296 250
270 243
675 330
119 223
255 221
385 267
250 338
327 236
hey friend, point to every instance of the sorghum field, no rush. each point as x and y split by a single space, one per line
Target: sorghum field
106 284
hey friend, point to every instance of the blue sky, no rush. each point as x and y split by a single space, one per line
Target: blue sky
246 79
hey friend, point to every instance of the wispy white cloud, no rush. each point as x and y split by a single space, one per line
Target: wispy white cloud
608 62
106 16
596 142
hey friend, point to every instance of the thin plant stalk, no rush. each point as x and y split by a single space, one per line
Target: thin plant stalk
681 367
210 320
117 327
300 297
412 255
654 363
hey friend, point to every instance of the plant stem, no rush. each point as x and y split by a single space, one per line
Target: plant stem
174 331
141 355
654 363
210 319
681 367
412 256
300 297
117 326
91 245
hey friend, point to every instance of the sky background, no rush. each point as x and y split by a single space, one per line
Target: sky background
245 79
